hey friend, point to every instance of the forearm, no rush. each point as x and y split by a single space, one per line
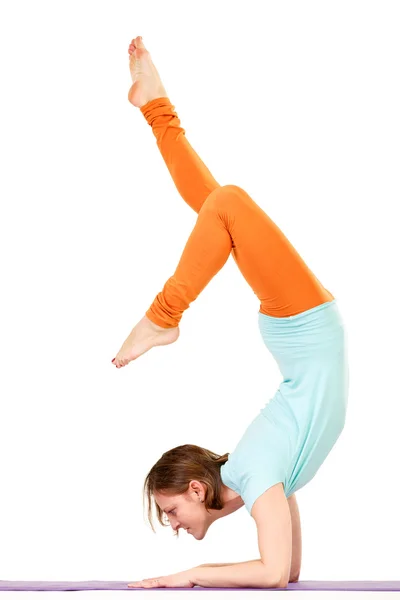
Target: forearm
231 575
221 564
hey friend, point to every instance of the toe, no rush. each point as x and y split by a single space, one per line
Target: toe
132 46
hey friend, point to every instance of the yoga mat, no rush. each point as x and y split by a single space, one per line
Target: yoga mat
61 586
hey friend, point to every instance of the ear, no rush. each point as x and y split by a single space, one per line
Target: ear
197 487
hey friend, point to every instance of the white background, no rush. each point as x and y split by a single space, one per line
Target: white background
296 102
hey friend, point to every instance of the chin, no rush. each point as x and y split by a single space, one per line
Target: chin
199 535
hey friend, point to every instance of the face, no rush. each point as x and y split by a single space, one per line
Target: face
186 511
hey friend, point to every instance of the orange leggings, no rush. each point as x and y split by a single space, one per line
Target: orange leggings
229 221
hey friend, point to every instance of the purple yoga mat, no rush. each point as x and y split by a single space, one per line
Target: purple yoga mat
61 586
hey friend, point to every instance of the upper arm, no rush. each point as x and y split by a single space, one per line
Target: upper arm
272 516
296 538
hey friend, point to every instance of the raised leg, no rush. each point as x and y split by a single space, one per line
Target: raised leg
192 178
229 221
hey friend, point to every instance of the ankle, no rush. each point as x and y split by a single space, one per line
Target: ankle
152 97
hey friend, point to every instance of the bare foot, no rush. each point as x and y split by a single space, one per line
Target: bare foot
144 336
147 84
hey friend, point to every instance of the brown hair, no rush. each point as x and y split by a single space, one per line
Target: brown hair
176 468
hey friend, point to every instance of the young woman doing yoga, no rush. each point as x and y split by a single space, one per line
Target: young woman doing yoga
300 323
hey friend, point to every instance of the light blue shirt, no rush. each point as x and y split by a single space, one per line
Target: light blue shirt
293 434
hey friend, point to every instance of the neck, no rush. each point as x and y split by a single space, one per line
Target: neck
231 501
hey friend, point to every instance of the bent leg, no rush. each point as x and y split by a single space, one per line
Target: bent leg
271 265
230 221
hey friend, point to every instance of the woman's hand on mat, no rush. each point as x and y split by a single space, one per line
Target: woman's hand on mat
178 580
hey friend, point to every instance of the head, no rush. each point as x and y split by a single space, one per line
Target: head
187 489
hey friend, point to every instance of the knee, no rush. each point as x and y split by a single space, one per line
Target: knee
234 192
231 188
226 196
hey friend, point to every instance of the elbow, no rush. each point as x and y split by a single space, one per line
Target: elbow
277 582
281 584
294 578
284 580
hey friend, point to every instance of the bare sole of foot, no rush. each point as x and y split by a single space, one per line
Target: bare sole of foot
144 336
147 84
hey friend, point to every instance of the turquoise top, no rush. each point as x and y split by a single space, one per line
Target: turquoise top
293 434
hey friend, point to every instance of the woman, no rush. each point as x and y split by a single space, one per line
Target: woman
284 446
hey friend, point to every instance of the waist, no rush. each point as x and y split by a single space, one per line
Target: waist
317 333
